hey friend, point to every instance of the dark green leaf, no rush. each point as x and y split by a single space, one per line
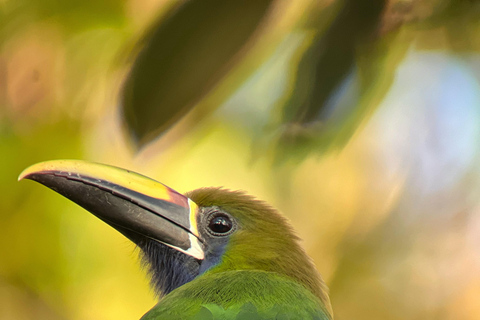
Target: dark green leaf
183 58
330 58
325 105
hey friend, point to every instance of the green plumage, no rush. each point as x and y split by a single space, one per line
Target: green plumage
240 295
263 274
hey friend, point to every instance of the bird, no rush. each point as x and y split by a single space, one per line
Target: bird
212 253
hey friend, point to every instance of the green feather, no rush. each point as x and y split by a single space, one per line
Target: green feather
236 295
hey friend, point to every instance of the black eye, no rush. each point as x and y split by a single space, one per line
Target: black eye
220 224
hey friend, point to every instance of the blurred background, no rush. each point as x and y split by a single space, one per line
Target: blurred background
359 120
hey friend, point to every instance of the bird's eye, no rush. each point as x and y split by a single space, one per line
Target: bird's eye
220 224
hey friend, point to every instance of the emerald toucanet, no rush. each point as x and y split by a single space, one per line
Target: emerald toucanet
212 253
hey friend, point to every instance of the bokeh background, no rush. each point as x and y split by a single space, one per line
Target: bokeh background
359 120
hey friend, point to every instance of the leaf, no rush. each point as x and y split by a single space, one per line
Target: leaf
345 73
325 106
330 58
183 58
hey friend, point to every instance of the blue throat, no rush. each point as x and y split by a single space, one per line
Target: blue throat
170 269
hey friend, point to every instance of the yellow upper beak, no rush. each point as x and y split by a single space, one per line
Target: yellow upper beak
132 203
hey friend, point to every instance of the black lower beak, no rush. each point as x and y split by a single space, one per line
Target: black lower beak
133 204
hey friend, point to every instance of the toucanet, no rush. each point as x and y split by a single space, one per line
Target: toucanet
212 253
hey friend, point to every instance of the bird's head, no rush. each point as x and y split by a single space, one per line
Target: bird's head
184 236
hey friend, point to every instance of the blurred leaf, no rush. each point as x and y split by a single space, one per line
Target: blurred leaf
324 70
191 52
330 57
343 75
183 58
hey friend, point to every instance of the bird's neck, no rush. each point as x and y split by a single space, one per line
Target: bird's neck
292 264
266 292
168 268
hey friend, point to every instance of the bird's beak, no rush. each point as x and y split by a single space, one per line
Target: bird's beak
133 204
